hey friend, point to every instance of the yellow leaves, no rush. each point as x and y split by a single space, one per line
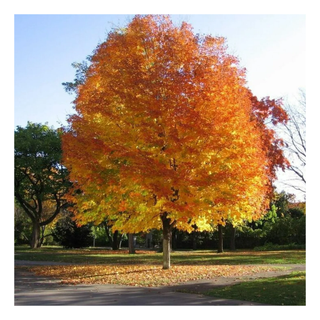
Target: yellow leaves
143 275
203 224
167 112
88 205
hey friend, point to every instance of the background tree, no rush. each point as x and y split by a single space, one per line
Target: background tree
22 226
294 133
165 134
113 237
68 234
40 181
220 238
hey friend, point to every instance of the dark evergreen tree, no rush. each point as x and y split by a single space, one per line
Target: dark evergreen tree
69 235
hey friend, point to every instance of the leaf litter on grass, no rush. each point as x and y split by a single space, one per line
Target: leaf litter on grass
143 275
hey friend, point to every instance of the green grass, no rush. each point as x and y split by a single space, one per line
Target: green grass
284 290
199 257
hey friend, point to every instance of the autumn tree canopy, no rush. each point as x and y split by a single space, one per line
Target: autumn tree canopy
165 133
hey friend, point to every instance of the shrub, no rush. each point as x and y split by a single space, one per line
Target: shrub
286 230
274 247
69 235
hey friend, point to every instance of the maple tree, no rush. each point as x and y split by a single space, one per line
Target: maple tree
166 134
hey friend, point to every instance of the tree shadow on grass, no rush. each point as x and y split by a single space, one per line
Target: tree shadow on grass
177 258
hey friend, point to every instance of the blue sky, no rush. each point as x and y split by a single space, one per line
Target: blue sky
271 47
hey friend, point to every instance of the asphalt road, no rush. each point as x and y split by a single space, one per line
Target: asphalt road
31 290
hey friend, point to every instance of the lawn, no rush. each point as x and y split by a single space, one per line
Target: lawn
284 290
145 267
197 257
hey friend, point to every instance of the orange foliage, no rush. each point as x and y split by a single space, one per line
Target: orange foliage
143 275
164 123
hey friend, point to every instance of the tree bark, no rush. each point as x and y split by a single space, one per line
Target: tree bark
106 228
35 240
131 244
174 239
35 214
220 241
194 240
167 231
115 241
233 238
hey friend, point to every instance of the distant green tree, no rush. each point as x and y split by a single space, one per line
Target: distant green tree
115 237
281 202
281 225
22 226
40 179
294 132
286 230
69 235
296 212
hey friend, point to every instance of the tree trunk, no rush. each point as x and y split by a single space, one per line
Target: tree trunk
35 240
115 241
131 244
174 239
42 230
233 238
220 242
167 230
106 228
194 240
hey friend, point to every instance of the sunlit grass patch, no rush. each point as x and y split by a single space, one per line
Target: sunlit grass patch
284 290
203 257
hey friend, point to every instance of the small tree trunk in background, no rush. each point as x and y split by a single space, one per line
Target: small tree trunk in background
233 238
167 229
115 241
194 240
106 228
174 239
131 244
220 241
120 240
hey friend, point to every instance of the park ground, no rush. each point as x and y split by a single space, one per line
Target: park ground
53 276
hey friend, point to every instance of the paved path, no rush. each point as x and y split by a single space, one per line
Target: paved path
36 290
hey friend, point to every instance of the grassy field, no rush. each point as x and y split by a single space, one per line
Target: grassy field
284 290
197 257
94 265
